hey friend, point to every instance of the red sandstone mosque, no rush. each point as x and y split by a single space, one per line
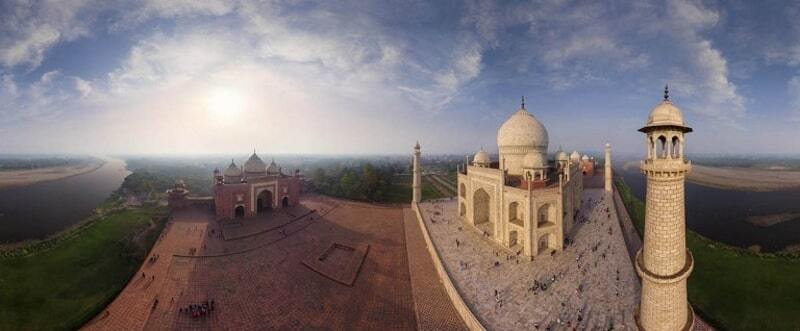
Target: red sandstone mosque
242 192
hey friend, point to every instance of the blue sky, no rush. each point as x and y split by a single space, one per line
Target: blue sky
372 77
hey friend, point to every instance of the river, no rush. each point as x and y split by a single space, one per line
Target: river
720 214
38 210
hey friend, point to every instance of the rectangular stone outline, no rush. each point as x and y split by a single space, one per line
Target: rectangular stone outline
346 275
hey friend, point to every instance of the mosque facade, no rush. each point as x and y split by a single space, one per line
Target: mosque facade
522 200
242 192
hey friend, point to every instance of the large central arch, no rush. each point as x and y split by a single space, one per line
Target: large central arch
264 201
481 202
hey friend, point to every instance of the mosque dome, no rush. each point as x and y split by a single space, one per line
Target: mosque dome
533 160
574 156
273 168
254 164
665 114
522 129
585 157
233 170
481 157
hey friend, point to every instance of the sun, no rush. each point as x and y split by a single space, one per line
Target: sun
223 102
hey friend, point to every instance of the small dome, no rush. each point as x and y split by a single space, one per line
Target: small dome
665 114
522 130
585 157
561 155
533 160
233 170
254 165
481 157
273 168
575 156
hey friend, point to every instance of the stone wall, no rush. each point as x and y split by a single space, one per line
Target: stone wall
458 302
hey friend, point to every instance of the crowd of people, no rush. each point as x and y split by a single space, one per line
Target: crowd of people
198 309
594 258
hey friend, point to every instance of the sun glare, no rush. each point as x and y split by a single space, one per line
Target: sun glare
225 102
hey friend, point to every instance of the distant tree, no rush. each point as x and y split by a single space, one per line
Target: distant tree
349 184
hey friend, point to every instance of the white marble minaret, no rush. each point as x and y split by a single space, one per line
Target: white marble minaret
417 184
664 263
607 167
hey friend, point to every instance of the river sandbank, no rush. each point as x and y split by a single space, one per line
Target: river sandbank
772 219
14 178
745 179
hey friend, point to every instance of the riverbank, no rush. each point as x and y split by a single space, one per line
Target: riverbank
62 283
733 288
745 179
16 178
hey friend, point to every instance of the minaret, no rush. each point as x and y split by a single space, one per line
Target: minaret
417 184
664 263
607 167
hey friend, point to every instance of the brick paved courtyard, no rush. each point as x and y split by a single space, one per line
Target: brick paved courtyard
257 280
591 285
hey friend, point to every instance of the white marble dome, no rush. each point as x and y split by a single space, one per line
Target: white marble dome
575 156
533 160
585 157
481 157
254 165
561 156
522 129
665 113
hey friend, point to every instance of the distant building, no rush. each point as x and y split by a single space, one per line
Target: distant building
254 188
521 200
243 192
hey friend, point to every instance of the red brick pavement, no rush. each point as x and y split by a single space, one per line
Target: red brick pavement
259 282
434 309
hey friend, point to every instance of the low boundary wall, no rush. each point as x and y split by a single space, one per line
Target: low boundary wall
458 302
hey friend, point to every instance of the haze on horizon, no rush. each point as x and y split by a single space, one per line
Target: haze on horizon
208 77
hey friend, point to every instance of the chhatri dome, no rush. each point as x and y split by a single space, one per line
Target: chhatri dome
533 160
254 165
561 155
522 129
575 156
481 157
666 114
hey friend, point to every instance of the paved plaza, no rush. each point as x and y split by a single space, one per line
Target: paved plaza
591 285
254 273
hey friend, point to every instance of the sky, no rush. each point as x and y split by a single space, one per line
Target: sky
373 77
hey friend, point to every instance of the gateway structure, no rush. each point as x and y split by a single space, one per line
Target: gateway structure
253 188
522 201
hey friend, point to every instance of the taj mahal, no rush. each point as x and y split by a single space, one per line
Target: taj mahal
559 214
522 200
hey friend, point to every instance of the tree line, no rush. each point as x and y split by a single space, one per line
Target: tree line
365 182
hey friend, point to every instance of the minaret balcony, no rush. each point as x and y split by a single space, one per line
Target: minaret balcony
665 166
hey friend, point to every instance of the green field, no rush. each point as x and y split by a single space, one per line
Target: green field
732 288
64 286
400 191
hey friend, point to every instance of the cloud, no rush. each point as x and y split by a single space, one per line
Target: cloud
30 29
794 94
47 97
704 76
